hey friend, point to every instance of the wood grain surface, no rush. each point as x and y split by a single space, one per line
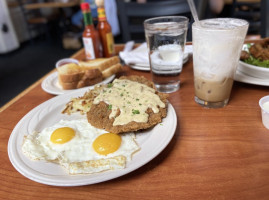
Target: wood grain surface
51 4
214 154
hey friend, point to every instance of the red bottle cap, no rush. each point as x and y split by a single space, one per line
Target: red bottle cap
85 6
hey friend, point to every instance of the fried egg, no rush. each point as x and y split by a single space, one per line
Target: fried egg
80 147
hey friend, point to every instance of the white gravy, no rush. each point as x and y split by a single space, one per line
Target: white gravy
132 98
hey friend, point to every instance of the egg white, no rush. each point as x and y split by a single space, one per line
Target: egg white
37 146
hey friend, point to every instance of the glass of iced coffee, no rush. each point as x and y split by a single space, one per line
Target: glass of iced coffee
217 45
166 37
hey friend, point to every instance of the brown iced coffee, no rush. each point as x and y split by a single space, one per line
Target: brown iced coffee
213 91
217 44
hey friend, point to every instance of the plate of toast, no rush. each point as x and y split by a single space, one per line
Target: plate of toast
72 74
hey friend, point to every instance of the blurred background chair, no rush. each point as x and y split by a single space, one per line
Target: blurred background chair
250 11
133 14
36 23
264 18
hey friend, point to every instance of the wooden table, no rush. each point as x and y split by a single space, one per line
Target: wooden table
31 6
214 154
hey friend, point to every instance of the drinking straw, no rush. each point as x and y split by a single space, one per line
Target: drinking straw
194 12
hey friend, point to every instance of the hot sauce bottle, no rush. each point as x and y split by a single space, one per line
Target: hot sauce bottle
104 30
90 36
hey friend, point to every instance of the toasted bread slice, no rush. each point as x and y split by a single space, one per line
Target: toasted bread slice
72 75
111 70
70 72
88 78
99 63
91 77
68 85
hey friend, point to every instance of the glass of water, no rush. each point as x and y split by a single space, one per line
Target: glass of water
166 38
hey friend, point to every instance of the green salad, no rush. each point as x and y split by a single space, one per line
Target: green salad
254 61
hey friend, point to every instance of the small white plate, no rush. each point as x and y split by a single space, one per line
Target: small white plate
51 84
151 142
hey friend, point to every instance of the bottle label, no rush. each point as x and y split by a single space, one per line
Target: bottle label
101 14
89 48
110 43
87 16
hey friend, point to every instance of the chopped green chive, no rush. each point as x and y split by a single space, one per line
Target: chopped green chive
135 112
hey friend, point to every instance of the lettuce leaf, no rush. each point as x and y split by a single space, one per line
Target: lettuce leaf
253 61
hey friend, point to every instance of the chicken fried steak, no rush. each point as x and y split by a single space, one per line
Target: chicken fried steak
128 104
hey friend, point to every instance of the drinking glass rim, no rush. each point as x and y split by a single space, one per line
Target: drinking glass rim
239 26
183 18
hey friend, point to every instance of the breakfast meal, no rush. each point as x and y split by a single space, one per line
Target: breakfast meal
257 54
87 73
128 104
103 139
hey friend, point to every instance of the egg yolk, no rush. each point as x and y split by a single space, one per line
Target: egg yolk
62 135
107 143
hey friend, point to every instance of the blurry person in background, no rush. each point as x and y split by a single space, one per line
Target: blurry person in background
111 13
216 6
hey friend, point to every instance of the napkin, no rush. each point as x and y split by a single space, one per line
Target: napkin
138 57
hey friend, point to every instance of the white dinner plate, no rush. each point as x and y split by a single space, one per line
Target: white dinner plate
51 84
253 71
151 142
244 78
146 67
